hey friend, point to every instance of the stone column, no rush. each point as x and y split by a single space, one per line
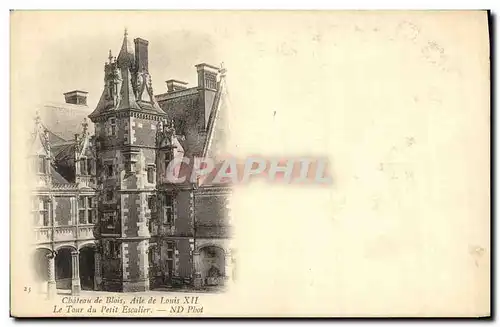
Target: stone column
197 281
228 267
97 272
75 269
51 285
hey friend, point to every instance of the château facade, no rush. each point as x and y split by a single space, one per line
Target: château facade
106 217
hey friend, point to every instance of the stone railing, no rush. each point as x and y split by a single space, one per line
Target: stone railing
64 233
43 234
86 232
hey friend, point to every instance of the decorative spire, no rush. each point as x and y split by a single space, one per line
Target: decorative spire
85 126
222 70
37 120
110 56
126 55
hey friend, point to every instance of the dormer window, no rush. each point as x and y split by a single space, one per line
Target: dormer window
89 166
85 166
41 165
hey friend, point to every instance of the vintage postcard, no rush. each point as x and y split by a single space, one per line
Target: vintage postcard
250 164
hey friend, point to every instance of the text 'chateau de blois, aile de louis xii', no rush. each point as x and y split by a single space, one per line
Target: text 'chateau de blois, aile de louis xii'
105 216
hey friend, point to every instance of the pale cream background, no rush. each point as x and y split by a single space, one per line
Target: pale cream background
398 101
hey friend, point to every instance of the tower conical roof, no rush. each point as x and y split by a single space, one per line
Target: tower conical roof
126 56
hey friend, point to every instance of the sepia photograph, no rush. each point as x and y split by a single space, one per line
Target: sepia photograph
250 164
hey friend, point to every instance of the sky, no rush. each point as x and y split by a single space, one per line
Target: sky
77 61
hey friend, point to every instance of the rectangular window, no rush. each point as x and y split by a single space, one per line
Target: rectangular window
91 218
86 210
112 122
152 203
42 212
83 166
168 215
168 210
151 174
34 210
89 166
110 170
114 249
109 196
170 258
109 220
41 165
81 216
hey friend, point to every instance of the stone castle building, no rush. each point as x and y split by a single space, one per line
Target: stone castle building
105 215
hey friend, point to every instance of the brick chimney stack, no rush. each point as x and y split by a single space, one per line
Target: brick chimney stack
141 54
175 85
76 97
207 76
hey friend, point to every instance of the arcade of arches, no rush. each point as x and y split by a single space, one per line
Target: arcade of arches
67 268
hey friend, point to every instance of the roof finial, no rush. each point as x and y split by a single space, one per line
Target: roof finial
37 119
125 34
110 56
85 126
222 70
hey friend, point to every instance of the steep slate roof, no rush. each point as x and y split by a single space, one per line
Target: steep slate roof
56 177
64 151
41 145
218 124
63 120
125 65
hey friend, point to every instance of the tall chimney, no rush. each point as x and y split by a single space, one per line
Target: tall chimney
141 54
76 97
207 76
175 85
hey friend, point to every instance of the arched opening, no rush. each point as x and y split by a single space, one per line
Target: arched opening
63 268
41 268
212 266
41 265
87 268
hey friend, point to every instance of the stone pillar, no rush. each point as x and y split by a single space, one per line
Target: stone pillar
51 285
75 269
197 280
97 272
228 267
